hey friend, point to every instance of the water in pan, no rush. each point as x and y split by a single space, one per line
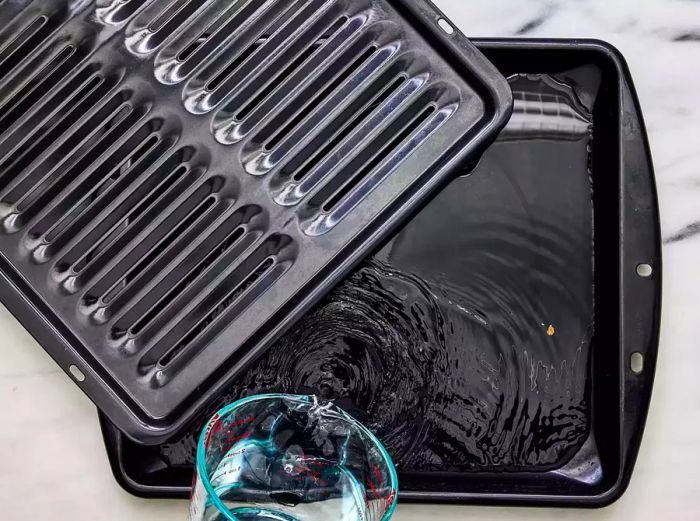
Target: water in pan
464 343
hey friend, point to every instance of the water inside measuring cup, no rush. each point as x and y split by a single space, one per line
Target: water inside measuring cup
464 344
290 458
300 483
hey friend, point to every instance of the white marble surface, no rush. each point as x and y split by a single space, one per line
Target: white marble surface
52 461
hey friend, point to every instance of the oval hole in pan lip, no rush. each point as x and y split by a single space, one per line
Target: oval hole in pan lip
644 270
637 362
446 26
76 373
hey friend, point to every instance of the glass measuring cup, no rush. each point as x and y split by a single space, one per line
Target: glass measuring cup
290 458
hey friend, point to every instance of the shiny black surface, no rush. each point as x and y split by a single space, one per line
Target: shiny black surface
464 343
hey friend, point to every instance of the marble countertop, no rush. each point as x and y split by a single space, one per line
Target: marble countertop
52 460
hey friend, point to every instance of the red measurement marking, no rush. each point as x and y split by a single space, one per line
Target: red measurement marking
374 490
229 438
250 419
379 479
207 434
390 499
234 439
378 474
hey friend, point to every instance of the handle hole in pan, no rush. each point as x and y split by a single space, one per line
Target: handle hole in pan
76 373
637 362
644 270
446 26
